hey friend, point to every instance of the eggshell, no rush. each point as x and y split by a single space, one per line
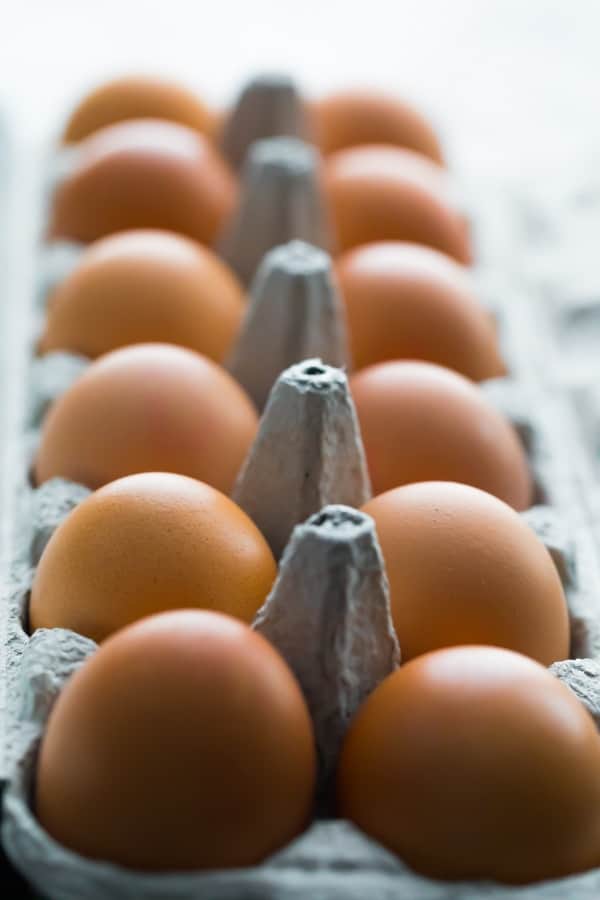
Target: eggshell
140 286
406 301
380 193
464 568
148 408
136 97
145 544
422 422
144 173
476 762
182 743
361 116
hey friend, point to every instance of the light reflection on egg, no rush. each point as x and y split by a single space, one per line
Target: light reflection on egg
406 301
359 116
136 97
144 173
475 762
464 568
380 193
141 286
148 408
145 544
422 422
163 746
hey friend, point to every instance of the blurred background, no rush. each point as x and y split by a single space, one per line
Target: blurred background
513 85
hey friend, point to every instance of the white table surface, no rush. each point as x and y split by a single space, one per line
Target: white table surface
514 85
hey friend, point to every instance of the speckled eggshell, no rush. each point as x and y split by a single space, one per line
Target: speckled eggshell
182 743
148 408
407 301
464 568
475 762
144 173
422 422
148 543
141 286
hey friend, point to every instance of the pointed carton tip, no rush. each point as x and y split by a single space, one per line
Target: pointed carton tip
296 258
285 156
278 82
312 374
268 105
339 522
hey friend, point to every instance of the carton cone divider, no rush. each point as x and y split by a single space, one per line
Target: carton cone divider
328 614
308 453
280 199
268 106
294 313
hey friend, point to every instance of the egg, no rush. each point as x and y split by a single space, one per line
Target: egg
406 301
148 408
144 173
145 544
361 116
183 743
136 97
381 193
142 286
475 762
464 568
422 422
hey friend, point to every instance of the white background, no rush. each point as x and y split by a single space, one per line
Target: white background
513 85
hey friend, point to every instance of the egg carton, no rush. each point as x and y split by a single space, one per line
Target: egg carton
325 553
334 549
561 274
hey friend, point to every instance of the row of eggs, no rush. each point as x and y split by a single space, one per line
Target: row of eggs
468 761
386 181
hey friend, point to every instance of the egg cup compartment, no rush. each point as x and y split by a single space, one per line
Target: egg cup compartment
332 859
317 860
339 549
39 665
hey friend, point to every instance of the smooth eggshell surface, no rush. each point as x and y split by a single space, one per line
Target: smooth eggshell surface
382 193
476 762
141 286
406 301
422 422
145 544
148 408
144 173
136 97
182 743
464 568
360 116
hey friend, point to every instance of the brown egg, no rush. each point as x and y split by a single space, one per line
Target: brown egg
476 762
464 568
406 301
144 173
422 422
148 408
140 286
145 544
184 742
217 124
360 116
381 193
136 97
